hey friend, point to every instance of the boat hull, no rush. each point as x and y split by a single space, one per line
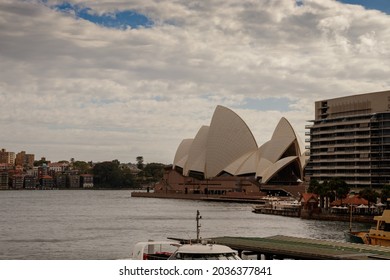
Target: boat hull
354 237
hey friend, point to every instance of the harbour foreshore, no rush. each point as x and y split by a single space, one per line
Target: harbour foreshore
256 200
222 198
338 217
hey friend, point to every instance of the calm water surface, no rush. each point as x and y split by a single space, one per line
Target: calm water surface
86 224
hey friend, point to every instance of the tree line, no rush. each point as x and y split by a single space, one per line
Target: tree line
336 188
110 174
114 175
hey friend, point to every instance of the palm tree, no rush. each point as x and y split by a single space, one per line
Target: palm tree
340 188
385 193
369 194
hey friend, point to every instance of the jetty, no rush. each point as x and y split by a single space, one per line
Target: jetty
297 248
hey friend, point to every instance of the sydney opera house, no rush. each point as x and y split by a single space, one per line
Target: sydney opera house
223 158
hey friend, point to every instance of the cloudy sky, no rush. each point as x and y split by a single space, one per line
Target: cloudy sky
117 79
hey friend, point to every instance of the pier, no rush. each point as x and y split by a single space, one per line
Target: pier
288 247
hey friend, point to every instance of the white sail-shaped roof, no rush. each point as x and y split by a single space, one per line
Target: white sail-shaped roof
229 138
281 139
262 167
244 165
182 153
197 154
228 145
274 168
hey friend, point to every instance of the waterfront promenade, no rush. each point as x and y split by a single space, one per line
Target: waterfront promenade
242 198
223 198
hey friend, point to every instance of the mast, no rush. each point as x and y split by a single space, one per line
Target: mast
198 217
350 217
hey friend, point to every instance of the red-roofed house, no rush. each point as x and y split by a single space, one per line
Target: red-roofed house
352 200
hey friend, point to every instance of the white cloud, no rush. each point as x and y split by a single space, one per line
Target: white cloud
70 88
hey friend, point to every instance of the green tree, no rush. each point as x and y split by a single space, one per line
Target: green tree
339 187
154 172
40 162
128 180
107 174
313 186
369 194
140 162
82 166
320 189
385 193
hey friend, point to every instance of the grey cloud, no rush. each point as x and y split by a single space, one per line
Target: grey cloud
67 82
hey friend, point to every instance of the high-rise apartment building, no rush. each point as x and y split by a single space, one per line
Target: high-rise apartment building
7 157
24 159
350 139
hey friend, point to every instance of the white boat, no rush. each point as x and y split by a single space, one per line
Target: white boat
154 250
169 250
200 251
173 250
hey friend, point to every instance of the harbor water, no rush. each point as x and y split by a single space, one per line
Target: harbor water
91 224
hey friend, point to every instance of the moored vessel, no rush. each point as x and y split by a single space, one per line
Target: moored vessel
173 250
378 235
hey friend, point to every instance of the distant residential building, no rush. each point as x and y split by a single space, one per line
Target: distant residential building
4 181
18 169
25 160
20 158
60 180
29 182
46 182
5 166
17 181
42 171
86 181
74 181
34 171
131 166
350 139
58 166
7 157
29 159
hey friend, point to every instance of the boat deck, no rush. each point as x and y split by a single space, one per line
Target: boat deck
288 247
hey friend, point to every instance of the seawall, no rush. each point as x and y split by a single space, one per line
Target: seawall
222 198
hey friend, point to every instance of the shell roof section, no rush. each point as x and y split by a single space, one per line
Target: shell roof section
228 145
182 153
229 138
197 153
282 138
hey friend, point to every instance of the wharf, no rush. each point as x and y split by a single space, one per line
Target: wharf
288 247
289 212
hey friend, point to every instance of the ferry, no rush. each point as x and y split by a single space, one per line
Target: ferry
174 250
379 235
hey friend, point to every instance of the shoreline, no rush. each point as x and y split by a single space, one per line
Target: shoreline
256 200
203 197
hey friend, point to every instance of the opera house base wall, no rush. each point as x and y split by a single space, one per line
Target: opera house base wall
174 182
242 198
224 188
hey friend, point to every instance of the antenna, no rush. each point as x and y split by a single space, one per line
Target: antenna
198 217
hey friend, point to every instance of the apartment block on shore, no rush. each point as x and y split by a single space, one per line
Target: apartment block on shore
350 139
